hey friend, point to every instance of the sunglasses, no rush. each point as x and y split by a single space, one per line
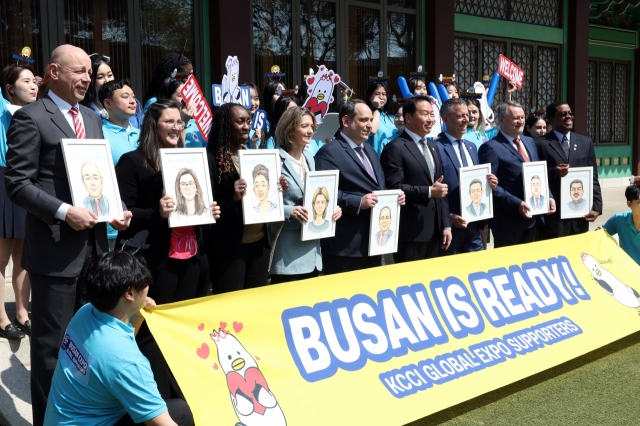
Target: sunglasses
564 113
96 56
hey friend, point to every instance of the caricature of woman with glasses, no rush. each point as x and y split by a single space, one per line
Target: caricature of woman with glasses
189 196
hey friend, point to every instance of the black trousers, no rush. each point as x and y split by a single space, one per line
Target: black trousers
54 300
178 409
514 237
339 264
176 282
280 278
410 251
245 267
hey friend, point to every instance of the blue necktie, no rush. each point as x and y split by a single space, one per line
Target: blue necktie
463 156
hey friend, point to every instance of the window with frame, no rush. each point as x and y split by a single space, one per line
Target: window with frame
608 86
478 56
20 27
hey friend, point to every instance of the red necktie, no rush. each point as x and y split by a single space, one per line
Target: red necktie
521 150
98 207
77 123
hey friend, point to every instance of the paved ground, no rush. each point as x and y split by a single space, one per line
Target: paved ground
15 398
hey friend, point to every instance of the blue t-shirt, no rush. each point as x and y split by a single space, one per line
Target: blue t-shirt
194 138
385 129
120 139
270 144
622 224
101 374
478 138
5 121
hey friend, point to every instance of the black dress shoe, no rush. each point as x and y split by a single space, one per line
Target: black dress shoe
11 332
26 327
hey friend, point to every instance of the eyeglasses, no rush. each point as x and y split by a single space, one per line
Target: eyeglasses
564 113
171 124
95 56
185 185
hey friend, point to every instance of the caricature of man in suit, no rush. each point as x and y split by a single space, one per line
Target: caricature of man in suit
477 207
576 190
384 221
92 180
536 201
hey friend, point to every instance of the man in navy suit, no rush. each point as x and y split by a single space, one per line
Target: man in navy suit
455 153
413 164
360 175
561 148
512 221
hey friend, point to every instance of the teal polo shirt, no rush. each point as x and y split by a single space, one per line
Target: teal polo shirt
622 224
120 139
101 374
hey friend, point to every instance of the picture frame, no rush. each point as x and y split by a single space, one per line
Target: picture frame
318 187
185 175
261 169
536 186
576 197
476 195
92 177
384 229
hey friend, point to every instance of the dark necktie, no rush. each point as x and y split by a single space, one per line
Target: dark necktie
565 146
365 163
428 159
521 150
463 156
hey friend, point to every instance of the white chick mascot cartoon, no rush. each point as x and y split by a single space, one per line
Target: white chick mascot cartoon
230 89
252 400
321 91
619 291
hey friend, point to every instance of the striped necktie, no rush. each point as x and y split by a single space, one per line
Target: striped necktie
77 124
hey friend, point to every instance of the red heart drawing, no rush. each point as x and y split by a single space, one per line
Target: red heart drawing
203 351
215 366
201 327
223 325
237 327
336 79
258 358
310 80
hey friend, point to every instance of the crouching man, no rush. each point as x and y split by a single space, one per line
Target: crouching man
101 377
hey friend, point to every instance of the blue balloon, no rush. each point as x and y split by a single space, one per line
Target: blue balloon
434 92
444 95
404 87
493 88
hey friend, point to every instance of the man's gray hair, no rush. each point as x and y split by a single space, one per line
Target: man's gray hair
503 109
448 106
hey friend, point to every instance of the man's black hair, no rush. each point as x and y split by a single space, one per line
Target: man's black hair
107 89
410 107
349 109
552 108
111 275
632 192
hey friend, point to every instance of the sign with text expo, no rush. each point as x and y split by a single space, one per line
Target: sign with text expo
510 71
390 345
191 93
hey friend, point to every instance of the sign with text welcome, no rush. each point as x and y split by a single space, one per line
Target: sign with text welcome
191 93
394 344
510 71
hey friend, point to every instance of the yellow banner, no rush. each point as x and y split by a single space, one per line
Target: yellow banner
390 345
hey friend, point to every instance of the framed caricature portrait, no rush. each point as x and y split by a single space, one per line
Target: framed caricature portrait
320 200
577 192
476 195
92 177
385 218
185 174
536 187
261 169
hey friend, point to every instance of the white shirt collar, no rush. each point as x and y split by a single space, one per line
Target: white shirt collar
413 136
507 137
560 135
63 105
351 143
451 138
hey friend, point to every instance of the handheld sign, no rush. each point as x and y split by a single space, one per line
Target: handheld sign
191 93
230 91
259 120
510 71
24 56
320 91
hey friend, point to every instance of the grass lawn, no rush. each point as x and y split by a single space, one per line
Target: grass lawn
599 388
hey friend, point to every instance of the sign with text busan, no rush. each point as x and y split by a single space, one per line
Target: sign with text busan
414 338
510 71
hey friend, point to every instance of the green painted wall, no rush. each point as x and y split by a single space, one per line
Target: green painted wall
507 29
620 45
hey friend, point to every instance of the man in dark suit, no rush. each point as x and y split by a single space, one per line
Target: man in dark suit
561 148
59 237
360 175
413 164
456 152
512 221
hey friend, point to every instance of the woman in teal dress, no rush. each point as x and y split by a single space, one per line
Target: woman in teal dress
382 126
